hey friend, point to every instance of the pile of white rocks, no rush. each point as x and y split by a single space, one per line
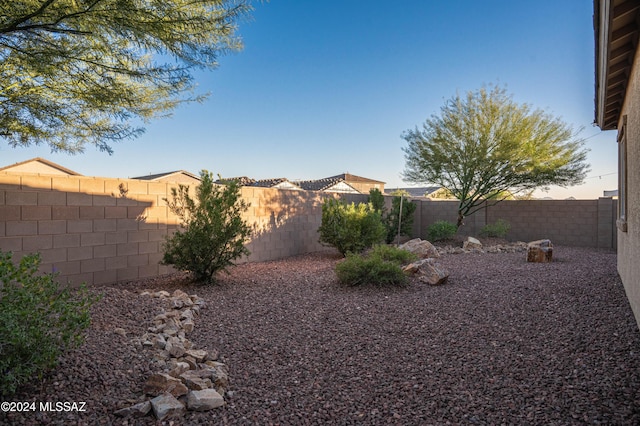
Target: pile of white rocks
188 378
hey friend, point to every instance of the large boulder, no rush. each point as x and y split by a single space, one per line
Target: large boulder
540 251
421 248
472 244
429 271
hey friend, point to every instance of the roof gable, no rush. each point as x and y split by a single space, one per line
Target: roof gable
177 176
348 177
39 165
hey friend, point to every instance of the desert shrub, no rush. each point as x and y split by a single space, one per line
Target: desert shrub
213 232
393 254
441 230
38 321
391 220
377 200
380 267
351 228
499 229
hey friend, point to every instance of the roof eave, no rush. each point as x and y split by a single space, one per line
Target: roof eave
601 22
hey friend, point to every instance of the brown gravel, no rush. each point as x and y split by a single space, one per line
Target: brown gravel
503 342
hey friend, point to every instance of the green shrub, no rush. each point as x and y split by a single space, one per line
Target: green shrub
377 200
441 230
213 232
38 321
351 228
391 220
499 229
393 254
381 266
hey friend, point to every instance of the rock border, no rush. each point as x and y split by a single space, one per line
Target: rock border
188 378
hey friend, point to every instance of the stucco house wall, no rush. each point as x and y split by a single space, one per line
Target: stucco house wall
629 240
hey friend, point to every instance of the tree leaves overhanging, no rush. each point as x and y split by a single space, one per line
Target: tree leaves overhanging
78 72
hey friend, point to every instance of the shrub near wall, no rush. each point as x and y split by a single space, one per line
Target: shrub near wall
38 321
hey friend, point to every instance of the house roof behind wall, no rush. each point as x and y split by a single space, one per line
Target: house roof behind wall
159 176
348 177
39 165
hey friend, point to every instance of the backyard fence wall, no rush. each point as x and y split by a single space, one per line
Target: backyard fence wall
585 223
103 230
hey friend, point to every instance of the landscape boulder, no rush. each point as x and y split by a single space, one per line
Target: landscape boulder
166 406
421 248
159 383
540 251
429 271
203 400
472 244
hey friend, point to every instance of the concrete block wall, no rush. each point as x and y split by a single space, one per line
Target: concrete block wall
103 230
587 223
93 230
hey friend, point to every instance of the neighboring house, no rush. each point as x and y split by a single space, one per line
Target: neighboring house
332 184
617 107
39 166
279 183
242 180
424 191
359 183
344 183
178 176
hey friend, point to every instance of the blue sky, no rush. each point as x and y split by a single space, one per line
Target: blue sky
326 87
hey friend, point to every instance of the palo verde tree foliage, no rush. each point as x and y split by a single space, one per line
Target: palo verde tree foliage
78 72
213 231
485 146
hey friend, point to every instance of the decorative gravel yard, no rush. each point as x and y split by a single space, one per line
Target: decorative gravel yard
503 342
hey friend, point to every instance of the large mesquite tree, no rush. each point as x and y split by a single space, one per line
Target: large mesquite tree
485 147
78 72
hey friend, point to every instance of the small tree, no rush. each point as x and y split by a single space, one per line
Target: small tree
351 228
213 232
485 146
406 222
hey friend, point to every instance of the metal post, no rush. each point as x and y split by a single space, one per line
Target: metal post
399 221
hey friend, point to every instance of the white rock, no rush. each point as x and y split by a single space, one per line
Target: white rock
203 400
166 406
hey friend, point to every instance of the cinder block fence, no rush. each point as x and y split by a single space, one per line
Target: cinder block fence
104 230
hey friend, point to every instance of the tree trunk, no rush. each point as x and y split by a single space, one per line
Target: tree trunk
460 220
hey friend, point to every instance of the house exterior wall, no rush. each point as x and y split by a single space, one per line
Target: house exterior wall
629 241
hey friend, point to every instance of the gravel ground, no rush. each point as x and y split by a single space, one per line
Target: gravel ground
503 342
